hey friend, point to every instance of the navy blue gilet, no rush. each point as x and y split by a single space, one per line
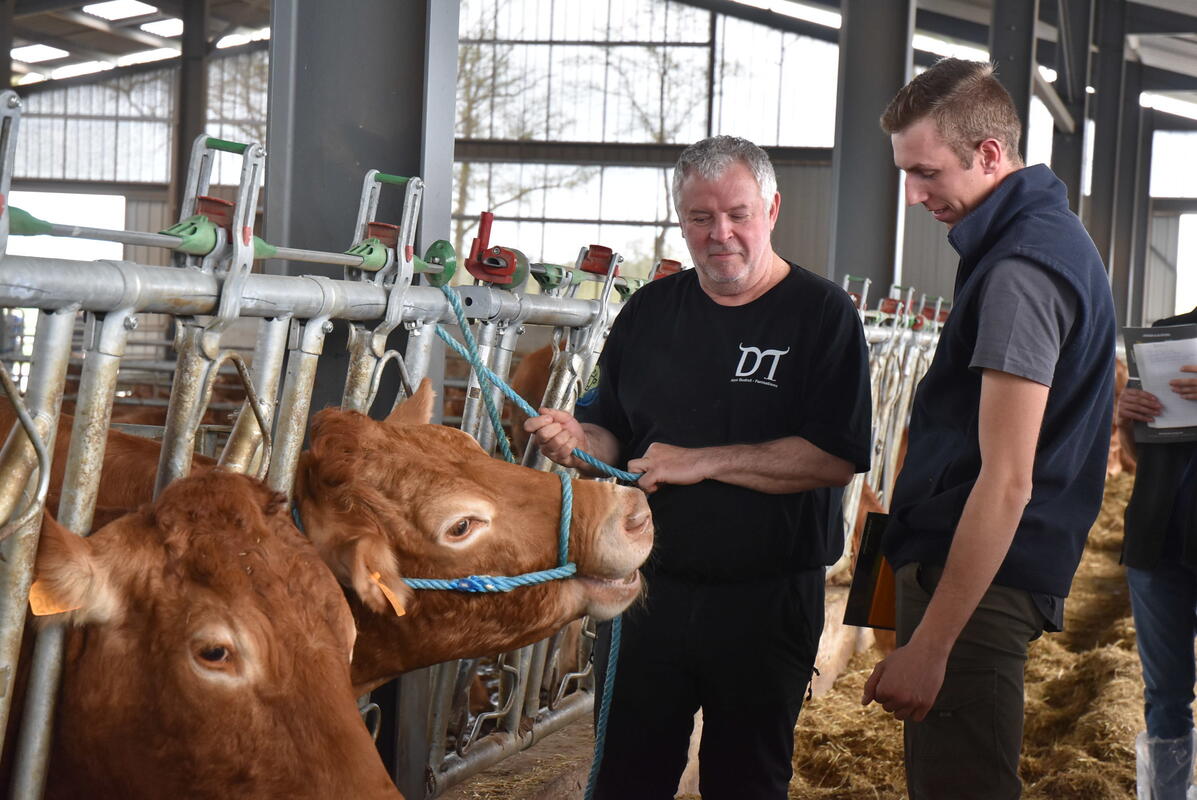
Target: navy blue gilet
1026 216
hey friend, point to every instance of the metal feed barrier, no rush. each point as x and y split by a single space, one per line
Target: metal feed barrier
211 285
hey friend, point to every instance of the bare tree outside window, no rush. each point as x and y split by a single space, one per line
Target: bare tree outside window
502 92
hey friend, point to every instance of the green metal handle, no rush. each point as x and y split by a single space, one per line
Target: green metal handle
384 177
263 248
225 145
22 223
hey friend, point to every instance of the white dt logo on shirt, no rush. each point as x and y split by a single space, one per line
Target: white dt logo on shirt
751 361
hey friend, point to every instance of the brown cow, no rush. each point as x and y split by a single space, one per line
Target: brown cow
387 497
403 498
207 656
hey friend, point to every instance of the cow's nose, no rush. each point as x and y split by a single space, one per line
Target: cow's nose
638 521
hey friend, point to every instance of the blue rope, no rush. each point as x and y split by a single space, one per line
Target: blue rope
502 583
600 725
487 378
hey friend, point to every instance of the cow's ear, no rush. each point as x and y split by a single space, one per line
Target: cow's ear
367 565
415 410
70 578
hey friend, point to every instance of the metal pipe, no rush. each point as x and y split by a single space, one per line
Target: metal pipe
485 303
444 686
473 416
420 340
535 678
509 334
28 281
186 404
362 363
511 722
43 395
240 451
137 238
24 449
499 745
296 402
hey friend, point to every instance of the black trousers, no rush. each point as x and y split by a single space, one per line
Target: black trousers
744 653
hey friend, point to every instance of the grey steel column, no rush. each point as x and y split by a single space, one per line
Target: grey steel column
1142 228
875 52
191 105
333 118
389 107
1012 50
1123 221
1111 40
7 15
1075 34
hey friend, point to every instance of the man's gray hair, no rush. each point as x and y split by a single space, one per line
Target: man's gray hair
710 157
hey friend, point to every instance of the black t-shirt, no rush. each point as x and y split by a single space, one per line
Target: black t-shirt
680 369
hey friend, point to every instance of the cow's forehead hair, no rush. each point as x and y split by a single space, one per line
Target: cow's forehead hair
211 526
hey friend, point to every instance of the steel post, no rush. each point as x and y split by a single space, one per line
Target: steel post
1108 72
1012 50
186 403
1142 225
1075 35
362 363
270 349
865 190
296 403
1126 184
43 397
473 417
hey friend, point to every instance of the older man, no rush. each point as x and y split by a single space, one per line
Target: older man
740 390
1008 436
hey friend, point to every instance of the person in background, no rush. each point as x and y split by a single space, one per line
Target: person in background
1160 553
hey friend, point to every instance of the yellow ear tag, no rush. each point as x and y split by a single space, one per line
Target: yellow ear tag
390 596
43 604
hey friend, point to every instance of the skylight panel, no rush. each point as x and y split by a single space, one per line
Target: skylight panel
146 56
84 68
238 39
119 9
35 53
165 27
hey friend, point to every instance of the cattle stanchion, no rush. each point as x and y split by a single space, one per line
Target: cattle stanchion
216 245
43 397
367 349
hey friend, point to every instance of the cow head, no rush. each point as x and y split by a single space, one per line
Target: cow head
403 498
208 654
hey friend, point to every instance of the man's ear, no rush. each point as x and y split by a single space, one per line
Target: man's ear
70 578
367 565
991 152
415 410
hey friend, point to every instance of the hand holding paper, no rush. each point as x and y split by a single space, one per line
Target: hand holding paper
1166 370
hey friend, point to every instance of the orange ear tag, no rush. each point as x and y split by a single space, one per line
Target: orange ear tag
390 596
43 604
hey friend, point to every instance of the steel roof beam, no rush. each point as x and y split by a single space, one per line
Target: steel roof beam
132 34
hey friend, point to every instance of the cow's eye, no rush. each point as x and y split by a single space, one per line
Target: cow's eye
461 527
214 655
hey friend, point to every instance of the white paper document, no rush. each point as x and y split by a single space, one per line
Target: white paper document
1159 363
